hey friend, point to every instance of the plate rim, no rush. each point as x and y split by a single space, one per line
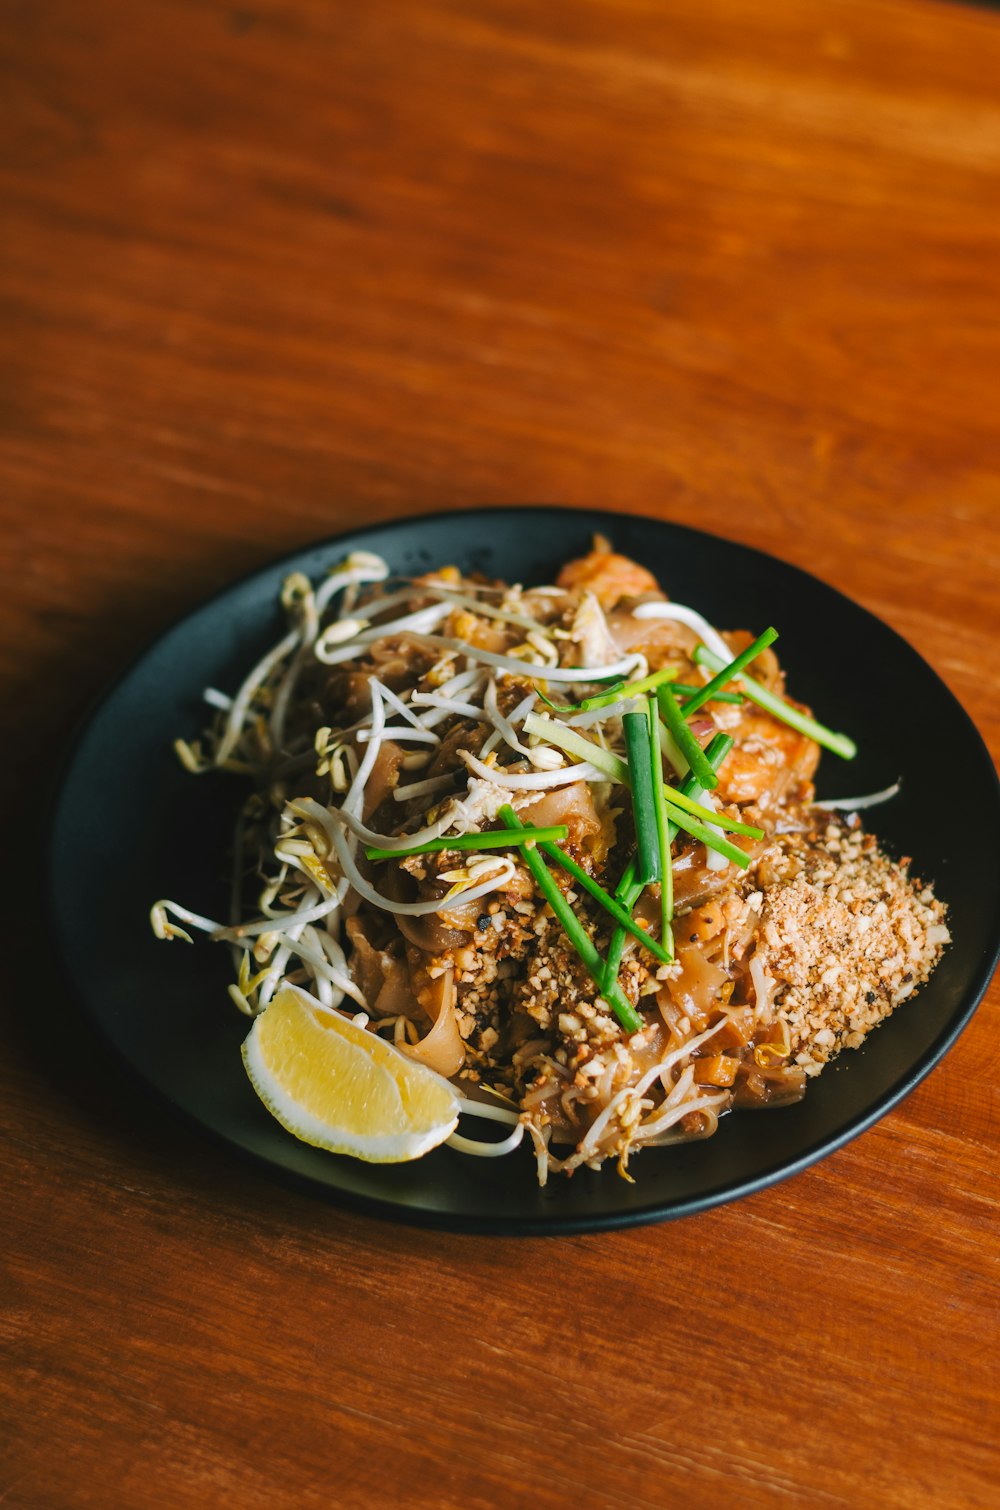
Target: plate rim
442 1220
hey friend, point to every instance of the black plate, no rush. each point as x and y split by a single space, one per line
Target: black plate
129 825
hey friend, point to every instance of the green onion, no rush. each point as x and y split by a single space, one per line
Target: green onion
686 742
716 751
686 690
640 770
662 824
613 766
609 903
627 891
677 799
575 932
704 835
840 744
629 689
610 684
494 838
615 951
613 693
557 707
726 673
668 748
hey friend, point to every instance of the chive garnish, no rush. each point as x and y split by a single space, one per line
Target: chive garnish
716 751
662 824
686 742
615 951
726 673
685 689
677 800
627 890
640 772
705 835
629 689
840 744
494 838
575 931
615 692
620 914
613 766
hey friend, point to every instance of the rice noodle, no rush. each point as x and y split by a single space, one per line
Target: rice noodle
763 985
442 1049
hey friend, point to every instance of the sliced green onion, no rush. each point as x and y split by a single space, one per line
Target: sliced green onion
640 770
613 766
575 932
620 914
840 744
686 742
494 838
663 824
686 690
726 673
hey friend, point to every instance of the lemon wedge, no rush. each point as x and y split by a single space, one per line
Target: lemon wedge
341 1088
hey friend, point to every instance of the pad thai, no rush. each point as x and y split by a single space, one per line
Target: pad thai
559 845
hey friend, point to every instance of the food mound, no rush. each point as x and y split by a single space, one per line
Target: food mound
559 845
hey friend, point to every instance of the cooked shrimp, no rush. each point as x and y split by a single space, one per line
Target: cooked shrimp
767 758
608 576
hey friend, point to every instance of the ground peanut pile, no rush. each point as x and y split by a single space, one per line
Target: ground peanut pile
848 936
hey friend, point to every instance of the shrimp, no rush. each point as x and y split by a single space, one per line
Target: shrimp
766 759
608 576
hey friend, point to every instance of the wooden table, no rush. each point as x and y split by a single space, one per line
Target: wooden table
274 267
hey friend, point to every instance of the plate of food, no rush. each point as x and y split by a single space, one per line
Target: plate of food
529 870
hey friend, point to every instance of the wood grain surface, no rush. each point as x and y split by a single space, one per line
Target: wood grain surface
268 269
